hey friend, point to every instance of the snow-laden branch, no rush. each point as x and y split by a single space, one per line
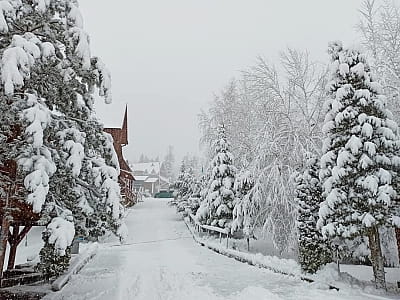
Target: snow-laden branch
61 232
37 160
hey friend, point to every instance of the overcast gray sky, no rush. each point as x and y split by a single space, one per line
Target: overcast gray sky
168 57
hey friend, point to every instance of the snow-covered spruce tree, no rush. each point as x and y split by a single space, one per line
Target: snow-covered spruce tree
56 252
244 213
220 195
184 187
359 162
48 76
195 196
180 185
314 250
202 211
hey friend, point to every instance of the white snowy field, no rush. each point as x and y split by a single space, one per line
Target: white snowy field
161 261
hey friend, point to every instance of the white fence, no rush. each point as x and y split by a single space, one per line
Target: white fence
199 228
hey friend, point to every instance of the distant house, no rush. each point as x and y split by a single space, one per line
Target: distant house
126 178
148 178
148 168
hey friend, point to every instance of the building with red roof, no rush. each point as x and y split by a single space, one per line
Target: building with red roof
126 178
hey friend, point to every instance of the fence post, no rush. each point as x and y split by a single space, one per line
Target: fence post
338 261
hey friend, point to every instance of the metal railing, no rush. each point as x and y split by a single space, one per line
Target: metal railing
221 231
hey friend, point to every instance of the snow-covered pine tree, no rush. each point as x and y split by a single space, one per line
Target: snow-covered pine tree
56 252
48 76
184 187
180 185
220 195
314 250
359 162
194 199
202 211
244 212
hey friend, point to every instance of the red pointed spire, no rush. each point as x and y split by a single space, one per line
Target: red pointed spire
125 127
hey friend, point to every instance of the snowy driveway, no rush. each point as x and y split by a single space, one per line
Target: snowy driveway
162 262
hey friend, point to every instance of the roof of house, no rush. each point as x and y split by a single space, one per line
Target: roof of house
151 180
141 177
120 135
148 168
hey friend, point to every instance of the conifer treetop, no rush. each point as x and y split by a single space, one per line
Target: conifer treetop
359 162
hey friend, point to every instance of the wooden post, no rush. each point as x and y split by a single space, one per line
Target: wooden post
338 260
248 244
227 240
13 240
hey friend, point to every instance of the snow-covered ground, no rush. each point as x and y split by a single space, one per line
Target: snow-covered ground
161 261
263 253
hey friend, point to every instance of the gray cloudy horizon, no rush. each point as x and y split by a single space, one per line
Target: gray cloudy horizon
168 58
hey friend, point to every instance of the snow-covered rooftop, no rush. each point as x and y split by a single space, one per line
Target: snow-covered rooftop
141 177
149 168
151 180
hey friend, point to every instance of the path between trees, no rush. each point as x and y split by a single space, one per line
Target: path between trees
161 261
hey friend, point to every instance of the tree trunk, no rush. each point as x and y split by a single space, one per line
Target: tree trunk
398 241
377 258
5 225
13 247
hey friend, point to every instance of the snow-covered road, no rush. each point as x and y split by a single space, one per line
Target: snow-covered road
162 262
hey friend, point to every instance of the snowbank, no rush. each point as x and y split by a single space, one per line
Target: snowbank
75 267
282 266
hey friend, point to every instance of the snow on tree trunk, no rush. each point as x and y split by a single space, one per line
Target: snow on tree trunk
359 165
